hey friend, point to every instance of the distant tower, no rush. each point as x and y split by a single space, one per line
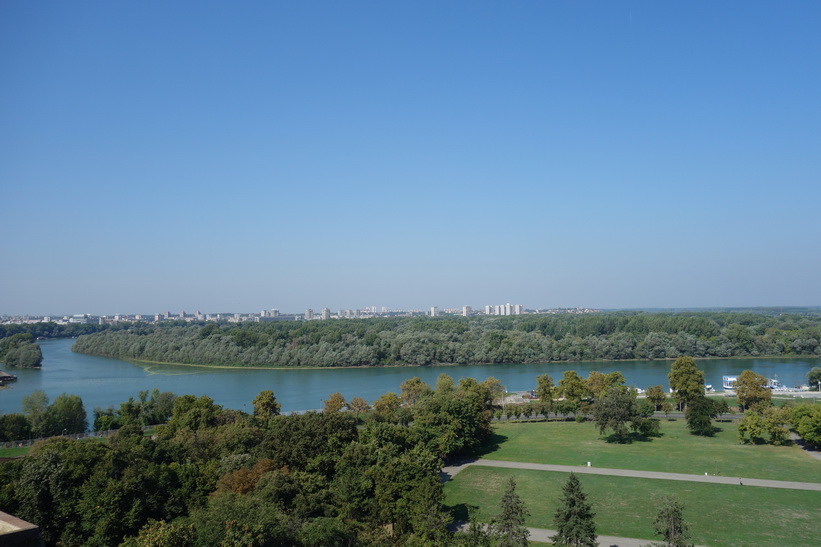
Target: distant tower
309 314
434 311
326 313
466 310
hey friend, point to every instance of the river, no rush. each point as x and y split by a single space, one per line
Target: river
100 381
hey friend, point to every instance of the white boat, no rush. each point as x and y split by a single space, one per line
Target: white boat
728 383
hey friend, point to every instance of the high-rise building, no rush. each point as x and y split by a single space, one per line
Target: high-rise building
326 313
466 311
518 309
309 314
434 311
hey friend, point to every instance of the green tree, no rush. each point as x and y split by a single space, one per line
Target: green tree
616 410
751 389
68 415
656 396
496 389
509 527
35 407
266 406
572 387
806 419
545 390
596 384
686 380
699 414
413 389
387 404
814 378
14 427
444 384
670 524
573 519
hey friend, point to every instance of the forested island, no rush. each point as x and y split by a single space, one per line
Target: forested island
464 341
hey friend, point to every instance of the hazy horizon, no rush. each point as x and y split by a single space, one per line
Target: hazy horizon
212 156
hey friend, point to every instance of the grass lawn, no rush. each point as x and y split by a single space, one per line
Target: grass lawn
14 452
676 451
720 515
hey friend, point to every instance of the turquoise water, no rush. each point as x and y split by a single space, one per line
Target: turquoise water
102 382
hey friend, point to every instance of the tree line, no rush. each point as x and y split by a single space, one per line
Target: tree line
17 346
477 340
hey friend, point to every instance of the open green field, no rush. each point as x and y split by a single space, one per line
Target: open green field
676 451
719 515
14 452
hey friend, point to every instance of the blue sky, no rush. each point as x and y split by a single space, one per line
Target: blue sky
234 156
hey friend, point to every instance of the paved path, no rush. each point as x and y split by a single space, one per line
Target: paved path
544 535
796 438
450 471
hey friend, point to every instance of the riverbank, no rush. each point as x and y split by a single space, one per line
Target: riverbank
141 362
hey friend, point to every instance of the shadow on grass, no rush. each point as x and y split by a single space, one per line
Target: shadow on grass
629 438
490 445
460 512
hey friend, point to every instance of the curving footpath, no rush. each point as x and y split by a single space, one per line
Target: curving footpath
449 472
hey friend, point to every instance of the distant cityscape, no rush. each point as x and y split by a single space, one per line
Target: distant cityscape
276 315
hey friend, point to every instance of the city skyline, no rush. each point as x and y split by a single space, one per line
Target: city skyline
605 155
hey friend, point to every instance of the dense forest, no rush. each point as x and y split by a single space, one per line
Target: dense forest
424 341
213 476
17 347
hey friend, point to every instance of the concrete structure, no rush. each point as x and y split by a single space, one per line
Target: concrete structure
434 311
15 532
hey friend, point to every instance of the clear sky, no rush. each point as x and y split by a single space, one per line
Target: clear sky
235 156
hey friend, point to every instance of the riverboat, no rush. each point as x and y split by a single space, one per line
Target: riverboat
728 384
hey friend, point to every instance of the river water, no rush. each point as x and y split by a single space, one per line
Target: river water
100 381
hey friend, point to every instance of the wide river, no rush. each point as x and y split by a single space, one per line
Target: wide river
102 382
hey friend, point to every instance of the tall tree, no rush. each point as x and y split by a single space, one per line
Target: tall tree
670 524
686 380
266 406
616 410
444 384
573 519
509 528
68 414
572 387
413 389
751 389
699 414
656 396
496 389
814 378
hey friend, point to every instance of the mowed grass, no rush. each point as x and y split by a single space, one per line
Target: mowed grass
676 451
14 452
719 515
